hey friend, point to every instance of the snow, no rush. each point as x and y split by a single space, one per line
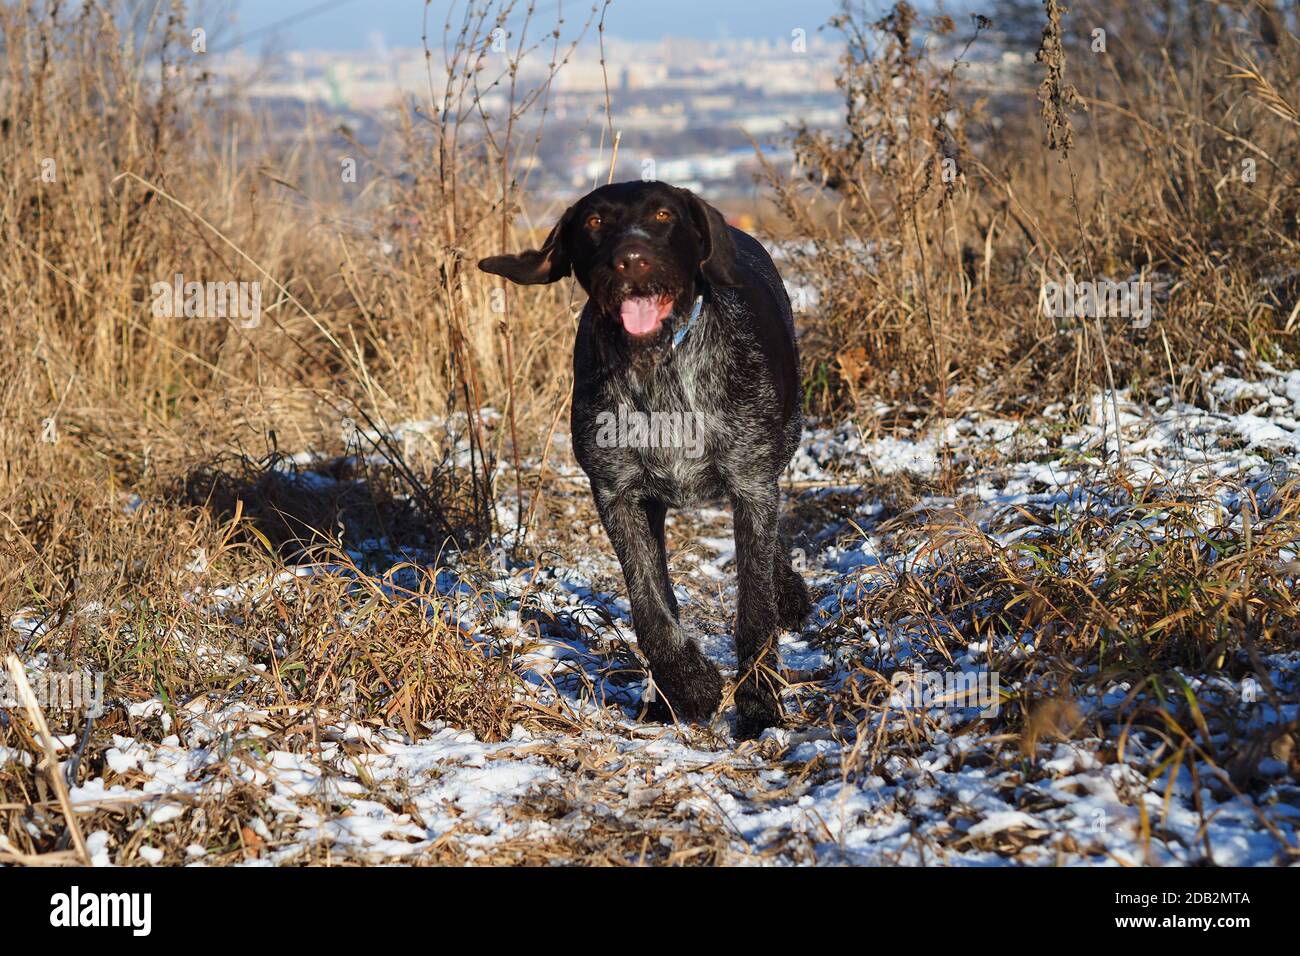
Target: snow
935 793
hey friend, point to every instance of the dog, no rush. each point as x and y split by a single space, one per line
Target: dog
687 324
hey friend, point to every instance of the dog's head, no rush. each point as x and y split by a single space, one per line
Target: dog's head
639 249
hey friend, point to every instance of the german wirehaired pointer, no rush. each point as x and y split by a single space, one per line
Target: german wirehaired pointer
687 327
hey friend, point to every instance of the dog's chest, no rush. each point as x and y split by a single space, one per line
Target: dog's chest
663 429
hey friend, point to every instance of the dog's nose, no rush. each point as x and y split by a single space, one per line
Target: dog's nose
632 261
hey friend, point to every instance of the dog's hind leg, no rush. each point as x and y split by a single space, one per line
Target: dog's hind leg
689 683
757 681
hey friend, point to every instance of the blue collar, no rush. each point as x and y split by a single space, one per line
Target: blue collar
680 335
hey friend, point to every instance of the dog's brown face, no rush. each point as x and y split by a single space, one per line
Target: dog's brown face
637 249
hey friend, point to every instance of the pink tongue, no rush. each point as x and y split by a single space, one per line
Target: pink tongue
642 316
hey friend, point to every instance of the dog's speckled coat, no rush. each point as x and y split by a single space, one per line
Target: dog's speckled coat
737 371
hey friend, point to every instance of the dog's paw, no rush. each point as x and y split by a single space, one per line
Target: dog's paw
793 603
757 704
689 686
754 716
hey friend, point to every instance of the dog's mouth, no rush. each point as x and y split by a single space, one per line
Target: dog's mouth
641 308
642 315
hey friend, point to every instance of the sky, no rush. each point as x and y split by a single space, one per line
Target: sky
356 24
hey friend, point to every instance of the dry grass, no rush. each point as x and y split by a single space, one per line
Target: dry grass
929 285
1139 582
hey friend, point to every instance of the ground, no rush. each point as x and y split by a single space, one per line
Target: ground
933 552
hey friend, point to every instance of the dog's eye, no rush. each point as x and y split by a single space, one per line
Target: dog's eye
593 222
663 215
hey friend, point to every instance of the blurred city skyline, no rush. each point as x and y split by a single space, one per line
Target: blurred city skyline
692 104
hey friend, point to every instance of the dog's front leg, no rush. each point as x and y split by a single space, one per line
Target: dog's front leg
688 682
757 682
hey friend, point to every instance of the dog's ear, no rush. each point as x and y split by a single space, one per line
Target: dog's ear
718 251
550 263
